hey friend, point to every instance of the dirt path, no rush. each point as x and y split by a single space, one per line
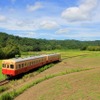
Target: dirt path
67 87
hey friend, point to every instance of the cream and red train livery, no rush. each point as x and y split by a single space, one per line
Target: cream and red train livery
13 67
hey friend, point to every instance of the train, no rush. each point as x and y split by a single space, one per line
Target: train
16 66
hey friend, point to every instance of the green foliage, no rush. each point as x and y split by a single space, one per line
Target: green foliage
12 45
1 53
93 48
11 51
8 46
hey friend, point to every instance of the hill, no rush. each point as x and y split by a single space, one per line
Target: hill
32 44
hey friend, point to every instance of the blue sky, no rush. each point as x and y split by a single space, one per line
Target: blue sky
51 19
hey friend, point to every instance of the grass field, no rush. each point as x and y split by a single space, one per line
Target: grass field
77 84
81 85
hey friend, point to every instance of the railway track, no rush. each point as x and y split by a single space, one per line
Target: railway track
3 82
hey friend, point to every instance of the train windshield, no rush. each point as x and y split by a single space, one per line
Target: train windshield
4 65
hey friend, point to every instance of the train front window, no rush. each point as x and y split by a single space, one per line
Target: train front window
12 66
7 66
4 65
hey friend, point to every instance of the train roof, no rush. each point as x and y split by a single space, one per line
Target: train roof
53 54
29 58
25 59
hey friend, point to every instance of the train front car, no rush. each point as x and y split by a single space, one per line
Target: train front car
8 67
17 66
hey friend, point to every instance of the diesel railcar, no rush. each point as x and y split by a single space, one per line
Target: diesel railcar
13 67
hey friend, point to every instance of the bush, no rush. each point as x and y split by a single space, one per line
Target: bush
93 48
3 88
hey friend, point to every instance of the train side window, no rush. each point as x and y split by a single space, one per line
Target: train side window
12 66
19 66
16 67
28 64
25 64
22 65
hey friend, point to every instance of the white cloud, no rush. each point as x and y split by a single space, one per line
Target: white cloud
23 25
34 7
31 33
49 25
2 18
81 13
30 24
62 31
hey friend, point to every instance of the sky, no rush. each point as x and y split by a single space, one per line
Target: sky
51 19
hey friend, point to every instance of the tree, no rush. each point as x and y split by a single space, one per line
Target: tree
1 53
11 51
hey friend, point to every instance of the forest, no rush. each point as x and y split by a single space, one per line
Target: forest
11 45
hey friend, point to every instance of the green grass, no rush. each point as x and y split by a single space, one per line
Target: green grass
88 61
1 75
78 61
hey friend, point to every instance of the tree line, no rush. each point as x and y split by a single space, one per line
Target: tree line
12 45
